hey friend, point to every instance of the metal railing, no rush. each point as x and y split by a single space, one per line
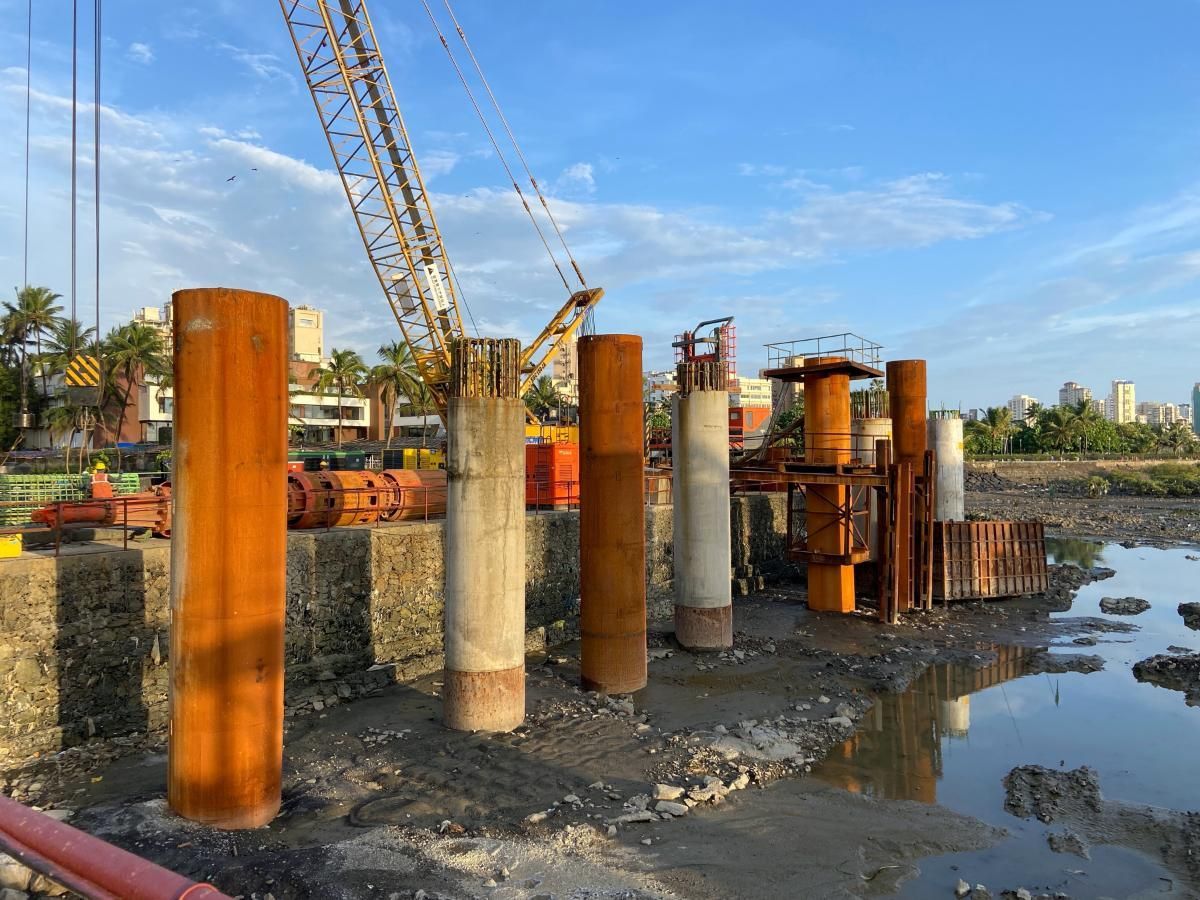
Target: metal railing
850 346
332 508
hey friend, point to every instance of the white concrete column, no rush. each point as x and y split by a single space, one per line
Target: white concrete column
863 435
703 585
484 684
946 441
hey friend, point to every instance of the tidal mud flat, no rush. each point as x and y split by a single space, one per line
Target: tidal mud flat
825 756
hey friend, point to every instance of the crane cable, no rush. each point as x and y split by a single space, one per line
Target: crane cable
74 148
96 172
28 104
495 144
513 138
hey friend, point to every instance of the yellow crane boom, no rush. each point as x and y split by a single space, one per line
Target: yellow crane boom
342 64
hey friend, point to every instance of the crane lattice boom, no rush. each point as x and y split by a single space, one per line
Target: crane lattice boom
339 55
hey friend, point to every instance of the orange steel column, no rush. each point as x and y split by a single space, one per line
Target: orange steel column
827 442
612 514
906 403
228 557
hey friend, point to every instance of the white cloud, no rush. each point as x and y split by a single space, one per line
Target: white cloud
267 66
140 53
579 177
173 220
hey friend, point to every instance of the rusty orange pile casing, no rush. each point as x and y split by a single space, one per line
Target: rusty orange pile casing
612 520
351 497
228 557
907 407
148 509
827 443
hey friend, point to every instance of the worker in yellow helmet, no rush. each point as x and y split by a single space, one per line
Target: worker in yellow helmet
101 488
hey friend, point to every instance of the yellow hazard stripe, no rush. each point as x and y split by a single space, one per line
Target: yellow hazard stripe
83 371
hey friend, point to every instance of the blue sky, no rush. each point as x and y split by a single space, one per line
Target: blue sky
1011 191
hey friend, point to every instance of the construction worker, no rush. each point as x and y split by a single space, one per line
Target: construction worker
101 487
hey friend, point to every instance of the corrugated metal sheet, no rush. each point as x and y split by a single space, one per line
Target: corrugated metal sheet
988 560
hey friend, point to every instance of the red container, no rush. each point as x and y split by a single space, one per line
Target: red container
552 475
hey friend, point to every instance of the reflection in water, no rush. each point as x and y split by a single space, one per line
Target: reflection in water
897 753
1084 554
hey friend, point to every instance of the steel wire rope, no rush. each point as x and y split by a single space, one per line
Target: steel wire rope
513 139
495 144
96 171
74 149
28 105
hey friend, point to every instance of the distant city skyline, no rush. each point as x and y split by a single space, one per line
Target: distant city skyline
1099 393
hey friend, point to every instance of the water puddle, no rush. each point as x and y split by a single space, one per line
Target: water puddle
957 732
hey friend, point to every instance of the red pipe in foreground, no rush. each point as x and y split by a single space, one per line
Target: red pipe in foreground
87 865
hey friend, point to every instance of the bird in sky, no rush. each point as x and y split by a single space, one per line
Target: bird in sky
230 178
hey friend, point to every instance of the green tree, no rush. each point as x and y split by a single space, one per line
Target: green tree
1178 438
396 376
32 317
420 403
1086 420
67 337
1059 428
343 375
1136 437
542 397
993 431
132 353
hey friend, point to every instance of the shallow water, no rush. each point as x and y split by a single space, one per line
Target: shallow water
956 733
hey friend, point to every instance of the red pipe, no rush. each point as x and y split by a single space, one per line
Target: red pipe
87 865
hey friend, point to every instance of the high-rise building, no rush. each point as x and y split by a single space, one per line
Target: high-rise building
306 331
1196 407
1019 406
1072 393
160 320
1158 414
1123 407
564 369
754 393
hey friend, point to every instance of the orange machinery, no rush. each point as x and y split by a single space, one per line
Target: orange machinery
552 475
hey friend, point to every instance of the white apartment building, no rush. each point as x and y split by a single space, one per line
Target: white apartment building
750 392
1072 393
1019 406
155 401
660 385
1159 414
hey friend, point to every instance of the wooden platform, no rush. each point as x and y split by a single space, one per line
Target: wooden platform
855 370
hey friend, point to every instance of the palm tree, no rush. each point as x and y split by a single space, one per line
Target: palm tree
1085 417
67 338
131 352
542 397
396 377
344 375
420 402
35 314
1059 427
1178 437
998 426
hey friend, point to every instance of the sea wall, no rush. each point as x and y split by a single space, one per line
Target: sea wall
84 637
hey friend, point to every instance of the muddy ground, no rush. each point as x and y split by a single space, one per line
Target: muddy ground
695 787
1065 512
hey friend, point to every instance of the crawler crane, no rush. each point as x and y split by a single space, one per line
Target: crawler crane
344 68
